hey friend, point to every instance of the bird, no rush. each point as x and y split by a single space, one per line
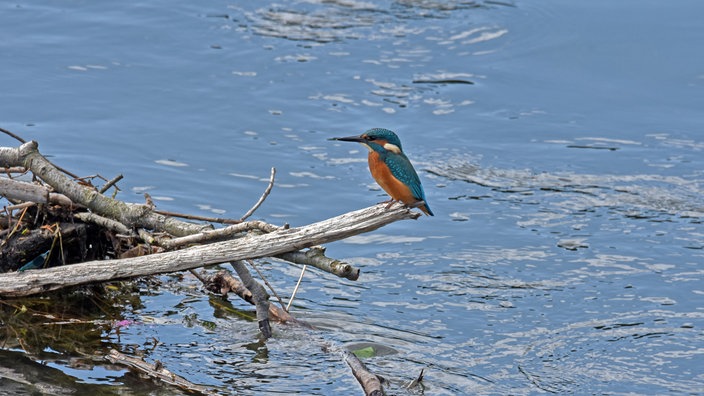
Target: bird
391 169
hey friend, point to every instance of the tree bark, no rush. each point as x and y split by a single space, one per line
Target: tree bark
159 372
131 215
370 383
259 296
248 247
315 257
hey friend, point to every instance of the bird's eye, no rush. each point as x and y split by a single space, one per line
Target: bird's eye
367 137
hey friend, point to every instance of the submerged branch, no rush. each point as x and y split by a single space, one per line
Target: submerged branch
223 282
369 382
259 296
157 371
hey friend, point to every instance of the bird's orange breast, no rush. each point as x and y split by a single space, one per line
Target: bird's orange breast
383 176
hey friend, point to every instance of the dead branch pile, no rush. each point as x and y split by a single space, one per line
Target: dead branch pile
60 230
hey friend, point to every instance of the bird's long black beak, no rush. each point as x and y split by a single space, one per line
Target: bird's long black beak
357 139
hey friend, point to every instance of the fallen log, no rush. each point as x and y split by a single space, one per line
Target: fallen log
281 241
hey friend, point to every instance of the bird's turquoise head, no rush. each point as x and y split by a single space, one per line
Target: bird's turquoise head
376 139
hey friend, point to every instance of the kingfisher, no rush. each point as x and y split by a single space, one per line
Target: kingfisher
391 169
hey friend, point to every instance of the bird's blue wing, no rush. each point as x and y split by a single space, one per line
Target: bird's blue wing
402 169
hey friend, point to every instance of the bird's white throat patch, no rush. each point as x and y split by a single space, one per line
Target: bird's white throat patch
393 148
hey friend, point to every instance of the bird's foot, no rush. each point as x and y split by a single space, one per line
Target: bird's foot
388 202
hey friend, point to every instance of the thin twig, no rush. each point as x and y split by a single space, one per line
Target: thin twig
19 222
20 206
196 217
88 180
14 169
5 131
266 282
212 235
103 222
263 197
197 275
110 183
295 289
76 177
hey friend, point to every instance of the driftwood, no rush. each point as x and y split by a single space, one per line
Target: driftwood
26 283
146 242
259 296
131 215
31 243
369 382
316 257
157 371
223 282
23 191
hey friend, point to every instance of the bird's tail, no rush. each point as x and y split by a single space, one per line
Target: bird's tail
426 209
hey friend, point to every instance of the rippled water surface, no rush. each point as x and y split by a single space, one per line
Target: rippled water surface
560 145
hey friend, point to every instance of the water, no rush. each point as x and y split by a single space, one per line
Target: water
565 255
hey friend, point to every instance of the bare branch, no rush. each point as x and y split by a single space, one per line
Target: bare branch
369 382
29 192
15 169
20 206
263 197
223 282
130 215
116 226
266 282
62 200
23 191
110 183
157 371
259 296
200 218
5 131
252 246
315 257
219 234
